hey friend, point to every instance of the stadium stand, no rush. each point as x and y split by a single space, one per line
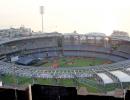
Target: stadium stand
33 48
124 49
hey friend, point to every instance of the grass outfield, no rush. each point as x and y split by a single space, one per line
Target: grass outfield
74 62
90 84
24 81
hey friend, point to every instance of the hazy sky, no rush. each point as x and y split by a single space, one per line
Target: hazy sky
67 15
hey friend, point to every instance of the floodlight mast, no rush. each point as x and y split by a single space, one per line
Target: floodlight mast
42 12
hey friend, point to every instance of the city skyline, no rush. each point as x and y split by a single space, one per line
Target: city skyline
67 15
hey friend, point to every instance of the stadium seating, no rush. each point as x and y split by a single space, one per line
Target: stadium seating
42 47
124 48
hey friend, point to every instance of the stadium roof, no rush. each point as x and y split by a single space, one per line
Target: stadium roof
6 40
106 79
123 77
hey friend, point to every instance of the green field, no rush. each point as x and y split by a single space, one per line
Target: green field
73 62
90 85
24 81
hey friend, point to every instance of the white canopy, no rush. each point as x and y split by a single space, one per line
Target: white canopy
13 59
0 83
123 77
128 69
106 79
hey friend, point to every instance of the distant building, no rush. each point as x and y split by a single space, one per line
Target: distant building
119 34
15 32
119 37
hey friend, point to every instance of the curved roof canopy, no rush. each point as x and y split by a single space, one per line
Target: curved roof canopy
106 79
123 77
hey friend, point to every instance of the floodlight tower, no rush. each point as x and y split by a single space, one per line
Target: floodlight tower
42 12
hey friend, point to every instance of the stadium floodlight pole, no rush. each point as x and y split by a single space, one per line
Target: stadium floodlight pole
42 12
